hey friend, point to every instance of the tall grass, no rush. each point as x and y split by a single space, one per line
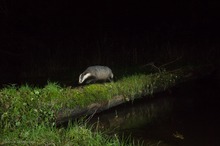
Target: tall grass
76 134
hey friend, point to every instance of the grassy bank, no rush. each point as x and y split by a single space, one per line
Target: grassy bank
28 114
28 118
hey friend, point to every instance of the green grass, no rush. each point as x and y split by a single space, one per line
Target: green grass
76 134
28 113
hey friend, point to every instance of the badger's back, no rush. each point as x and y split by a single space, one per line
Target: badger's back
100 72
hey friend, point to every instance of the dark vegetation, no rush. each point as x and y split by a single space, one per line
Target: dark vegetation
56 41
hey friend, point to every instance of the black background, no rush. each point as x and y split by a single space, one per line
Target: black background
41 39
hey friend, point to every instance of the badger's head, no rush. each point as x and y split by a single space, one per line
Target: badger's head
84 76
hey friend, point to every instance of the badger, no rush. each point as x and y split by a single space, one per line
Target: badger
96 73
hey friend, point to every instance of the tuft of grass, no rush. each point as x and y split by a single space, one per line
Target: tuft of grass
27 106
76 134
140 84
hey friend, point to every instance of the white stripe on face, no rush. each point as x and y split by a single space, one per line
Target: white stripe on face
81 80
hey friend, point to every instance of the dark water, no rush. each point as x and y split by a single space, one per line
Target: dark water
187 115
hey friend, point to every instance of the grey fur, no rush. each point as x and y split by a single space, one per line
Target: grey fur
96 73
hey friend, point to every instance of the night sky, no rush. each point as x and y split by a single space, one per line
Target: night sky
42 39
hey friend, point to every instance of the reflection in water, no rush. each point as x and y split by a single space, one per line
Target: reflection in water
131 118
133 115
189 116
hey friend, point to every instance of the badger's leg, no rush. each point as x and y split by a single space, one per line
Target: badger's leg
110 79
91 81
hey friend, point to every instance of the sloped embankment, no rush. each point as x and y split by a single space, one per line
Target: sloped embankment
53 105
95 98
